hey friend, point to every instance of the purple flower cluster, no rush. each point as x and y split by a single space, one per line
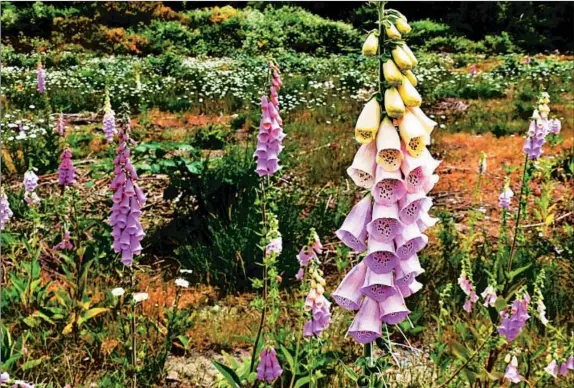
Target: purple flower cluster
552 367
539 128
65 244
66 170
128 200
60 126
268 368
511 373
30 184
505 197
270 130
5 211
468 288
41 78
514 320
109 125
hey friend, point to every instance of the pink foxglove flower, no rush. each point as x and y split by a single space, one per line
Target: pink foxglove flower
468 288
512 374
128 199
353 232
367 324
268 368
66 170
30 181
4 377
570 363
60 126
552 368
109 120
300 274
271 135
320 316
65 244
554 126
514 320
5 211
505 197
489 296
41 78
563 369
275 246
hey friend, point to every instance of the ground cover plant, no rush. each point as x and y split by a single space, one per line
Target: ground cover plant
311 204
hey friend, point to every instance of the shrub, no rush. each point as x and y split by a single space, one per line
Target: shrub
425 30
499 44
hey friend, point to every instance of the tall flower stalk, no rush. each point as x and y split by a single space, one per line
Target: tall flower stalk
269 146
387 225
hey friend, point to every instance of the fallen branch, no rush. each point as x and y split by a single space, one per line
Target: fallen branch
544 223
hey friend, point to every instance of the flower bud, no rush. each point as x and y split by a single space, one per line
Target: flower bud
410 54
409 94
320 290
313 284
413 133
368 122
401 58
411 77
392 32
312 294
394 105
402 26
371 45
392 73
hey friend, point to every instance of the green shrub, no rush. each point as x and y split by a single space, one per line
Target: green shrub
425 30
453 44
499 44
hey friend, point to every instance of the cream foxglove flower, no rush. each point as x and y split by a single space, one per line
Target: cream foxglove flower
402 26
392 31
401 58
394 105
368 122
371 45
413 134
410 54
389 154
409 94
392 73
411 77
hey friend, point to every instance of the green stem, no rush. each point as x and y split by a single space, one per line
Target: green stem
133 332
520 206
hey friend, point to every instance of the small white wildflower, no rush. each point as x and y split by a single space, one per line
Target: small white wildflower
185 271
140 296
182 283
118 291
32 107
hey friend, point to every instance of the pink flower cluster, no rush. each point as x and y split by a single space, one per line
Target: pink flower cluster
128 199
65 244
268 368
270 130
41 78
5 211
60 126
552 367
468 288
513 321
30 184
388 224
66 170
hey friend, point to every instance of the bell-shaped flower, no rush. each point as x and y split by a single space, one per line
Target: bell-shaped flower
425 221
412 205
563 369
411 77
353 232
381 257
402 26
554 126
392 32
389 153
489 296
552 368
348 295
427 123
378 286
368 122
410 242
410 54
394 105
409 289
367 324
413 134
389 187
418 171
371 45
511 373
401 58
385 224
393 309
268 368
362 171
392 73
505 197
409 94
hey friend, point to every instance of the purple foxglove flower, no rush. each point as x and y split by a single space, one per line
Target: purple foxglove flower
320 317
527 60
30 181
511 374
367 324
570 363
60 126
473 70
411 266
467 306
317 246
409 289
268 368
410 242
381 256
563 369
109 125
300 274
31 198
412 206
554 126
353 232
393 310
514 320
4 377
505 198
22 384
552 369
378 286
348 295
465 284
65 244
389 152
41 78
385 224
489 296
66 170
389 187
128 199
418 170
305 255
362 171
5 211
426 221
275 245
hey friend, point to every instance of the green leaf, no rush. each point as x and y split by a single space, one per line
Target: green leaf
288 357
500 304
513 274
184 341
91 314
302 381
459 350
32 363
351 373
228 373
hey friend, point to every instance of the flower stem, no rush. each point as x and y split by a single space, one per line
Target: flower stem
520 206
133 331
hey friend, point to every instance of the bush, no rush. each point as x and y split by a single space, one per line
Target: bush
499 44
453 44
425 30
